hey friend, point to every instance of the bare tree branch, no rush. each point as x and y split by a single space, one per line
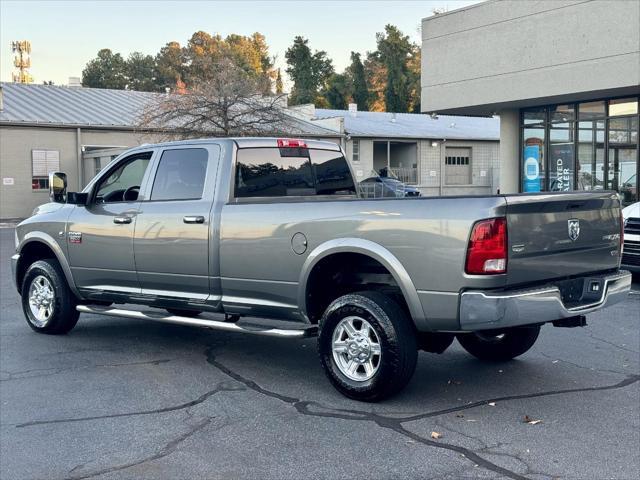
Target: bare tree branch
229 103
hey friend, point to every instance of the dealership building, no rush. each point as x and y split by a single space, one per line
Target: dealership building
564 77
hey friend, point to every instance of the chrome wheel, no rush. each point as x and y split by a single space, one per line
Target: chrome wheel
356 349
41 300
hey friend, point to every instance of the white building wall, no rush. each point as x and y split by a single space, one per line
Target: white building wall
478 59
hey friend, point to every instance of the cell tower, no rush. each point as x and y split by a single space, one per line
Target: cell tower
22 61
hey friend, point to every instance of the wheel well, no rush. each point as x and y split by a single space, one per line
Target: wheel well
342 273
32 252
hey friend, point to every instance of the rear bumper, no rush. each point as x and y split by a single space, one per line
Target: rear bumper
483 310
14 270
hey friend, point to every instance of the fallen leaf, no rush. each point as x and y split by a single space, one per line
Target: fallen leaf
531 421
436 435
555 361
459 415
454 382
492 404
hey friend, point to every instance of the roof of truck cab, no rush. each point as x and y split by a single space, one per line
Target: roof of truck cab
241 142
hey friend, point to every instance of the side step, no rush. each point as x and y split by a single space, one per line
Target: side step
309 331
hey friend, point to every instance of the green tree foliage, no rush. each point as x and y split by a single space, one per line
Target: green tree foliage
107 70
360 92
337 93
308 71
139 71
279 85
169 66
395 51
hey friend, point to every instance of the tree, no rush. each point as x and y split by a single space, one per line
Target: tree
107 70
395 50
279 86
140 71
228 103
169 66
376 74
309 71
360 92
338 91
415 89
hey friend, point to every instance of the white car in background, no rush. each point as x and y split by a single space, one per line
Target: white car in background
631 249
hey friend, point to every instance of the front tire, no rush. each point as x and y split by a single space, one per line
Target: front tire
499 346
367 346
48 303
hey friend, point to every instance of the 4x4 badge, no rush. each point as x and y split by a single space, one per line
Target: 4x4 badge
75 237
574 229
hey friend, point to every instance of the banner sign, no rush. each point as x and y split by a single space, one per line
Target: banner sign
562 158
531 169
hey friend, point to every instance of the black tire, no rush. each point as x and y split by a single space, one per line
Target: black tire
499 346
62 314
396 339
184 313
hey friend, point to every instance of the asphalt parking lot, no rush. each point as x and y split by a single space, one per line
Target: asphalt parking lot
120 398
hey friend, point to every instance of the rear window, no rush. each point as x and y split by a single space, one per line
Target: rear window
286 172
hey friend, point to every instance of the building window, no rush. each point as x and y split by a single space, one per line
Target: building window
457 166
42 163
355 150
592 145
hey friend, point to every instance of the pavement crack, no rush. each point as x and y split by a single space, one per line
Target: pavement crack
167 449
394 424
631 379
221 387
47 372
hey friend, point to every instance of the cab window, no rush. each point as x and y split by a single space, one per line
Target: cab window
123 183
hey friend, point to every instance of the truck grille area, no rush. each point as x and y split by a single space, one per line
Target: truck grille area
631 252
632 226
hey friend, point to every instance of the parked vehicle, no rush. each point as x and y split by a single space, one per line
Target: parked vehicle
386 187
273 229
631 249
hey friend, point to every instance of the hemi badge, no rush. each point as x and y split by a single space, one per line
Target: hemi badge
517 248
75 237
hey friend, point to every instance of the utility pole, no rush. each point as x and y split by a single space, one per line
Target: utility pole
22 61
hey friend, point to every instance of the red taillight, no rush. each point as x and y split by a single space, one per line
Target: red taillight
487 250
291 143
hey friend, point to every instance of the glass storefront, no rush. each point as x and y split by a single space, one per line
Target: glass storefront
582 146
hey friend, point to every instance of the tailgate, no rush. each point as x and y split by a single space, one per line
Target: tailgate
560 235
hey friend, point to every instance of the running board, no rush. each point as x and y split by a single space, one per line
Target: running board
310 331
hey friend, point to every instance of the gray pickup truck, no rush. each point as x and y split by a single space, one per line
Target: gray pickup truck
269 236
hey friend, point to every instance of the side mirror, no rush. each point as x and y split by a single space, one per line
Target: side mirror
58 187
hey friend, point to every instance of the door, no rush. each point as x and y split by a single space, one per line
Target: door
172 246
100 234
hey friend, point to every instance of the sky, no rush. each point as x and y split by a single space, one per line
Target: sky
65 35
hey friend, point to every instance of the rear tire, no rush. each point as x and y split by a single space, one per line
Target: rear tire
499 346
48 303
367 346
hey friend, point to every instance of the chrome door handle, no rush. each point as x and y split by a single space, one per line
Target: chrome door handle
121 220
193 219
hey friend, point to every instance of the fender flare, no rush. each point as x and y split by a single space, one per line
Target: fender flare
370 249
50 242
